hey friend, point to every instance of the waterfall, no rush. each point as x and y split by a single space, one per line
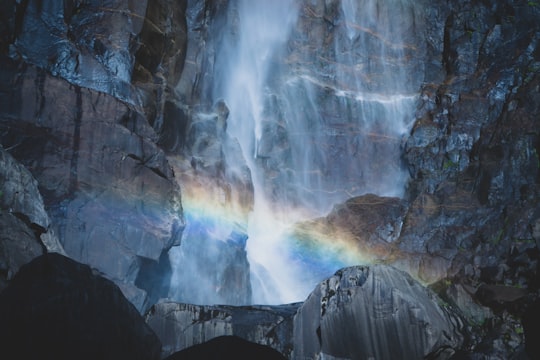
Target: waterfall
320 97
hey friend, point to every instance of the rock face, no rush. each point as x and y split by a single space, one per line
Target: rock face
359 313
472 150
132 51
217 199
373 312
25 230
58 308
180 326
107 185
106 106
84 87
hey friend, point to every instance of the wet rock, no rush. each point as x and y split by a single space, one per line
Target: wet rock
25 230
86 43
58 308
195 84
20 196
230 347
180 326
489 294
375 217
107 186
374 312
159 63
218 196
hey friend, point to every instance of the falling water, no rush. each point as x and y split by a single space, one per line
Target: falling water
320 103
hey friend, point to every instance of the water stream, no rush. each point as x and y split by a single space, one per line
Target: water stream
320 107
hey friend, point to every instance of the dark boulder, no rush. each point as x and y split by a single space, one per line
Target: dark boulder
227 347
56 308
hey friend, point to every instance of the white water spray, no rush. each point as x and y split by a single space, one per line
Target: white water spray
316 126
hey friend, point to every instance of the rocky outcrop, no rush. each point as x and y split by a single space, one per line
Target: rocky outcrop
217 197
180 326
128 50
58 308
25 230
228 347
84 87
374 312
360 312
107 186
471 205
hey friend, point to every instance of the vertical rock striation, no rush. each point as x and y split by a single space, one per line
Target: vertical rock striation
373 312
72 113
359 313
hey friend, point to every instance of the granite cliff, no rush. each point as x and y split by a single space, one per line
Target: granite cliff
116 145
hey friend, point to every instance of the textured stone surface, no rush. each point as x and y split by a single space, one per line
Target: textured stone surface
180 326
20 196
373 312
58 308
18 246
107 186
25 230
360 312
217 195
471 215
103 46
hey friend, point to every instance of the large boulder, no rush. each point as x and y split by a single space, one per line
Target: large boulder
56 308
227 347
377 311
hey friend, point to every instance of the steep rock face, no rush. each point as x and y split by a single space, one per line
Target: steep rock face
217 198
360 312
108 47
18 246
159 63
472 150
217 186
132 51
180 326
25 230
194 86
374 312
58 308
20 197
107 186
87 43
